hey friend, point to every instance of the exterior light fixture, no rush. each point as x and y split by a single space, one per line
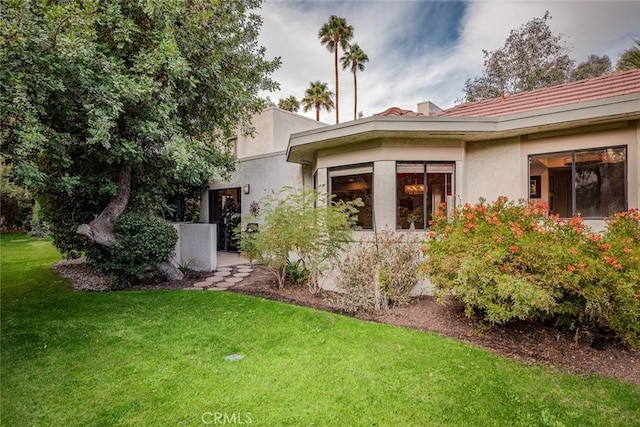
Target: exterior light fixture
246 189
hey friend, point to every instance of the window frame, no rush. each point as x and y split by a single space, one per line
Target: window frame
425 172
572 153
339 171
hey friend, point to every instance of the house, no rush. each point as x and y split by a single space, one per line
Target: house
573 146
261 168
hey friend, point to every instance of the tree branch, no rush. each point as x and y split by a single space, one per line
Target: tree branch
100 230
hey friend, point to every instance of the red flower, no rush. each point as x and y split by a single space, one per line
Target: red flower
514 249
605 246
594 237
503 268
626 251
571 268
573 251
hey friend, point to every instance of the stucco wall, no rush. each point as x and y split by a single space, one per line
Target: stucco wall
196 245
273 127
264 174
492 169
384 194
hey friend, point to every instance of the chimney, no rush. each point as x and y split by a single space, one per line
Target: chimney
428 108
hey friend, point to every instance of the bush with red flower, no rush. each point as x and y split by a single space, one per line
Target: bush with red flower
509 260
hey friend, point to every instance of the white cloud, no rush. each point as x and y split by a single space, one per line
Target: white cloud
399 75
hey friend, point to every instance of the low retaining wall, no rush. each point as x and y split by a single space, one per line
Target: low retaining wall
196 246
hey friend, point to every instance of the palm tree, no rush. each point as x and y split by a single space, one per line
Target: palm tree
630 59
318 96
354 58
335 34
290 103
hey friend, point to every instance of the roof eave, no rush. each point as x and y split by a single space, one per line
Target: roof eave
303 146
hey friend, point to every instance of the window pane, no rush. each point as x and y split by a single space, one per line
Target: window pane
350 186
410 193
600 182
439 187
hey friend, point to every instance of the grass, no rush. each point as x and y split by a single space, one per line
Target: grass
157 358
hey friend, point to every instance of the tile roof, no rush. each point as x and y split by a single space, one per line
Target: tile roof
395 111
606 86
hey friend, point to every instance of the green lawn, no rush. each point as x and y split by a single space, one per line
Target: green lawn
157 358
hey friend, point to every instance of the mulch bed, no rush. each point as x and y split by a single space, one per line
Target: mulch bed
531 343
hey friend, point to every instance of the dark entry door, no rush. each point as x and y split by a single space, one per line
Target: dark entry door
224 211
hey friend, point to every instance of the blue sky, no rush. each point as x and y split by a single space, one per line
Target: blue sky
425 50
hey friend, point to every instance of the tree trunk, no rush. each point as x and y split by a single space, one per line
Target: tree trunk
355 95
172 272
337 97
100 230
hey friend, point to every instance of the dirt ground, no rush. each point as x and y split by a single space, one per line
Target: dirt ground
524 341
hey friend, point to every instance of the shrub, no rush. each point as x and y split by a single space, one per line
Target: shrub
144 241
39 225
299 223
380 273
509 261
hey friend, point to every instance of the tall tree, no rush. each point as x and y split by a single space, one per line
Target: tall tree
532 57
335 34
289 103
111 106
594 66
630 59
317 96
354 58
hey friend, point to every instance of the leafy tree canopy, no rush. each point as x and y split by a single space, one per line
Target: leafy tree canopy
532 57
107 106
289 103
594 66
630 59
317 96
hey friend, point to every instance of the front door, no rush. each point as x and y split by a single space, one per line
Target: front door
224 211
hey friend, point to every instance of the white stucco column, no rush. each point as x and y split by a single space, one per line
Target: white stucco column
384 194
204 206
322 179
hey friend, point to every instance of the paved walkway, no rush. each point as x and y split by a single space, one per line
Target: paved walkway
232 269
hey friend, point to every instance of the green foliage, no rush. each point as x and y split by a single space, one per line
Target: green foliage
39 225
630 58
289 103
62 350
509 261
318 96
594 66
335 34
297 272
531 58
143 243
88 88
186 266
379 273
16 203
302 224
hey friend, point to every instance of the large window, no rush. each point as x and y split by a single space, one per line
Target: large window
591 183
353 183
420 188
